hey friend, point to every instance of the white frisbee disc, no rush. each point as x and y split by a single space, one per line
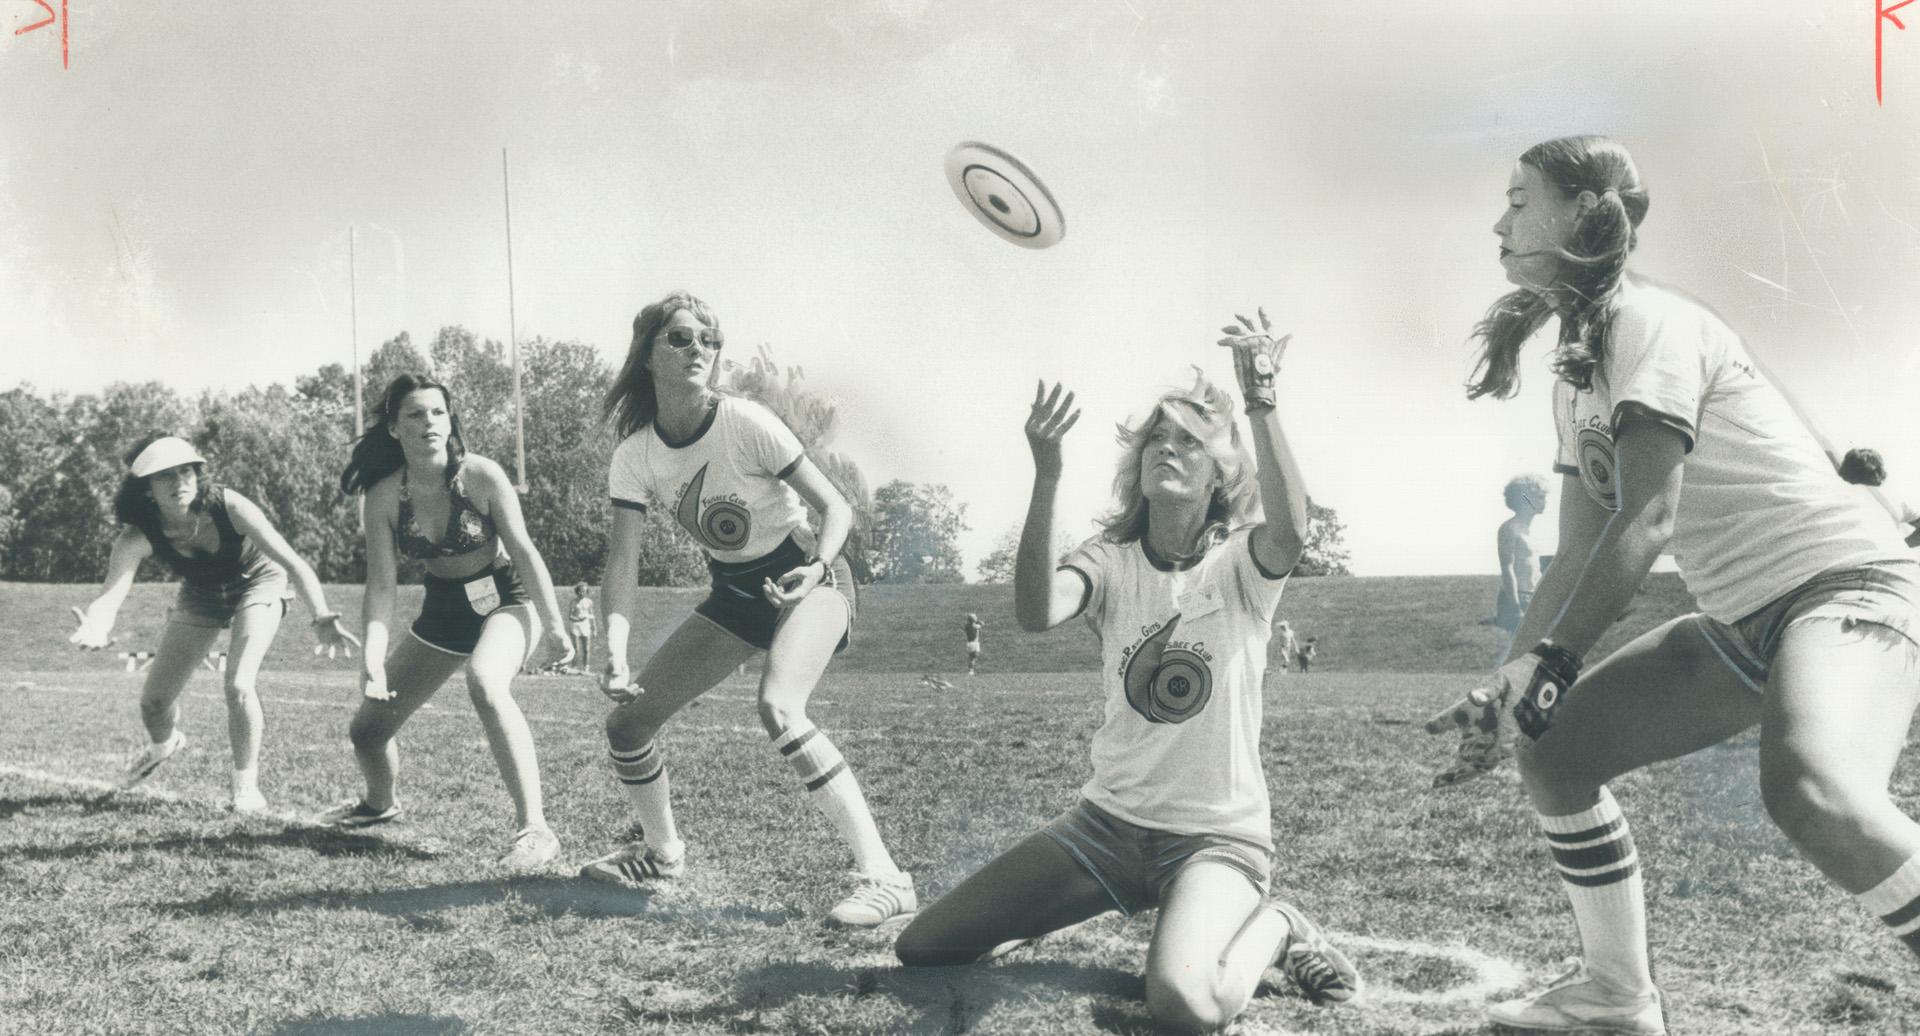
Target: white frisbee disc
1005 195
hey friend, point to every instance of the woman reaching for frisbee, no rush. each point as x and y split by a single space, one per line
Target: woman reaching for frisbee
233 567
488 602
1672 440
734 477
1181 588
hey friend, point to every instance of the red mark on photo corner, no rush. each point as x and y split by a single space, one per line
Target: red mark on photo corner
1881 15
61 17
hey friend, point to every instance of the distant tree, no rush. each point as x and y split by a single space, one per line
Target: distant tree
1326 550
997 566
284 452
916 531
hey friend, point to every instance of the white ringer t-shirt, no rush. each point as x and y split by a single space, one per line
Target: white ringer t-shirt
1182 656
726 485
1761 508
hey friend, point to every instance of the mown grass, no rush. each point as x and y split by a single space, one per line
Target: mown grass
124 913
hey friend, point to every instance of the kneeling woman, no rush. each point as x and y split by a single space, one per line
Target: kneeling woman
233 567
1181 589
734 477
418 476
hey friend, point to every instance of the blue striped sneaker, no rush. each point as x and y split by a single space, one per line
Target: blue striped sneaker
876 899
1323 973
636 863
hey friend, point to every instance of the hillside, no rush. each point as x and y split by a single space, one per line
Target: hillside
1420 624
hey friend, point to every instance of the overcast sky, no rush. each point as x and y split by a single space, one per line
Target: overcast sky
175 205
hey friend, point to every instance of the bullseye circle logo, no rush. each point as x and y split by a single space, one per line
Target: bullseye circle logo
725 525
1597 468
1167 685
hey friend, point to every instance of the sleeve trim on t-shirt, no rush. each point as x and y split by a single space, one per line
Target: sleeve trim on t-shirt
631 505
790 468
1255 555
1086 591
1637 409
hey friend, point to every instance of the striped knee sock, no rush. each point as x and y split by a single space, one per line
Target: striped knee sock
643 776
1897 902
832 788
1593 851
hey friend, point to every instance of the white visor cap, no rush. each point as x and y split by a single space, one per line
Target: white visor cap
163 453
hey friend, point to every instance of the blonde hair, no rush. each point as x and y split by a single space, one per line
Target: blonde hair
1205 412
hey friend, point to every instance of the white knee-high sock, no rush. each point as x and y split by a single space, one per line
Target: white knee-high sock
643 777
1896 901
832 788
1593 851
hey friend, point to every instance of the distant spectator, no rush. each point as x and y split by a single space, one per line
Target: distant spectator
1283 632
972 627
582 620
1306 653
1526 497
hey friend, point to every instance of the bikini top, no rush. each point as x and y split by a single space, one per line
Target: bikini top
467 529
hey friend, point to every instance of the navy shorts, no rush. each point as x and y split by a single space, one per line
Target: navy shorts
455 609
735 603
1136 864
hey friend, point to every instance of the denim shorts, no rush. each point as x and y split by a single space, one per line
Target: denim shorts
213 607
1879 596
1136 864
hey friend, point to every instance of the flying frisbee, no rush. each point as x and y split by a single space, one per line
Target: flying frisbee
1005 195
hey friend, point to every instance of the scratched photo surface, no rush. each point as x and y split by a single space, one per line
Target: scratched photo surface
216 197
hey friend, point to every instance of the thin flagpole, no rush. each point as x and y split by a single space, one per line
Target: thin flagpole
353 305
513 341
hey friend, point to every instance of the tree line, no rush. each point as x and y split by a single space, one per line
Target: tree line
283 448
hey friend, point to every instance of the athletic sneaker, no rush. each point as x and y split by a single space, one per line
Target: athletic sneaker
248 800
533 847
355 813
1577 1002
149 759
634 864
1323 973
875 899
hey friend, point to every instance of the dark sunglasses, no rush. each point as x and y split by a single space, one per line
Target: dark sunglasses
684 337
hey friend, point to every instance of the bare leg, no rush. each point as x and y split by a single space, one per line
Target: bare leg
253 632
414 672
505 639
182 648
1213 941
1034 888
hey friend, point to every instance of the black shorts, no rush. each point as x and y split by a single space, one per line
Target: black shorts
456 608
736 604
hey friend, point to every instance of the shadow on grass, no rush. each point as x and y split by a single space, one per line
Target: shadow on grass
944 1000
88 803
317 840
375 1025
536 896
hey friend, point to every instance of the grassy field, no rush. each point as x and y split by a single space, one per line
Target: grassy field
156 912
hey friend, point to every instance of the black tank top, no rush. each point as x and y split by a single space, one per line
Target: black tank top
236 557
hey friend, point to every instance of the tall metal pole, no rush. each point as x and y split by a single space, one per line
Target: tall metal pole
353 304
513 342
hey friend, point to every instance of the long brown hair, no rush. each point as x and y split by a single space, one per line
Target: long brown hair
377 454
631 402
1592 265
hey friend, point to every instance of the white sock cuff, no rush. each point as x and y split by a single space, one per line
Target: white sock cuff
1599 815
1900 889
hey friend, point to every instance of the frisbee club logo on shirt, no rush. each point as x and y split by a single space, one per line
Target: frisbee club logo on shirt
722 523
1167 681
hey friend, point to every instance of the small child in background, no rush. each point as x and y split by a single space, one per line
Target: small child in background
1306 653
581 623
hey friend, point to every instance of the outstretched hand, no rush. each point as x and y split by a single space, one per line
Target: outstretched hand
1047 423
333 637
92 634
1520 696
1256 358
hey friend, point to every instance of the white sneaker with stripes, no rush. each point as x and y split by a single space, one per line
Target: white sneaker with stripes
150 758
1576 1002
636 864
876 898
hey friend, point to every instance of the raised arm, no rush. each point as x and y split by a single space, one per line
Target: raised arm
1045 595
1280 539
130 547
254 524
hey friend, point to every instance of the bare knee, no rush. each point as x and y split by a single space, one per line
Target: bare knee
1186 1004
921 945
367 733
1815 810
629 727
489 693
779 715
240 689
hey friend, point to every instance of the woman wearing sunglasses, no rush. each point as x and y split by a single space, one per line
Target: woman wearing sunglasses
735 478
